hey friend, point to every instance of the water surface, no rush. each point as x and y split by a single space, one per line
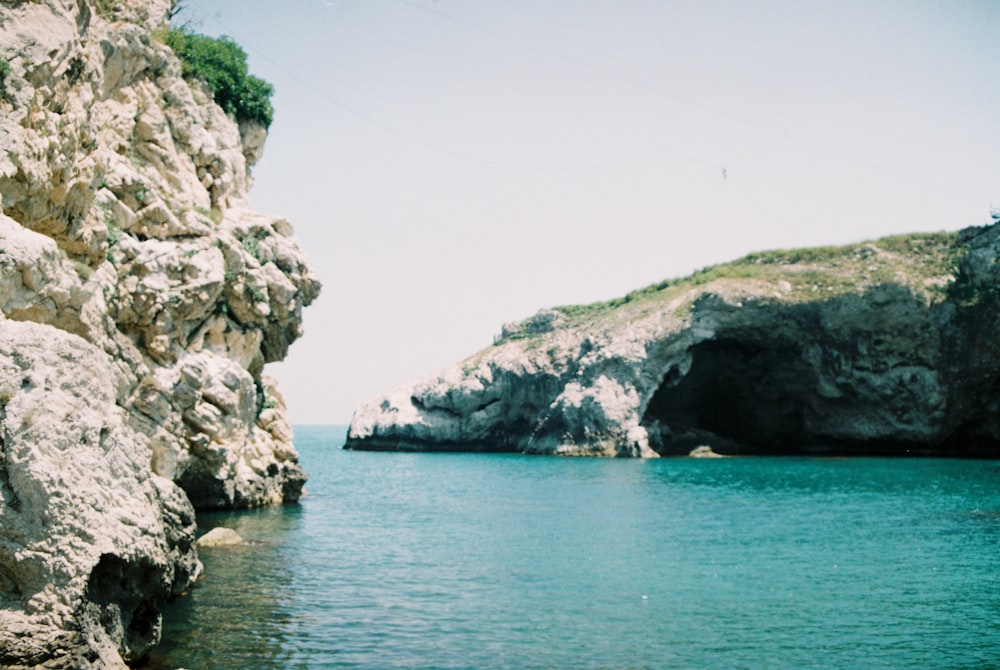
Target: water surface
506 561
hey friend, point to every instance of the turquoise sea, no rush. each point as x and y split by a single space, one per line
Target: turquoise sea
506 561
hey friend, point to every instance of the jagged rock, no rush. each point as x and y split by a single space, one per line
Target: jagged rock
153 253
93 543
885 347
140 299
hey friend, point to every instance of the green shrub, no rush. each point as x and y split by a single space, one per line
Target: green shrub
222 64
4 73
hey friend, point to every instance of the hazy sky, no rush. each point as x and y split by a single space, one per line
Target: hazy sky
451 165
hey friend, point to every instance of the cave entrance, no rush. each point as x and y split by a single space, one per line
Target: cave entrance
740 396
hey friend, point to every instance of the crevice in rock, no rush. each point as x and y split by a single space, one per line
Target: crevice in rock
203 489
423 407
130 596
487 404
6 488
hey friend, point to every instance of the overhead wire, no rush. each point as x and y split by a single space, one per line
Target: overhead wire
657 148
367 118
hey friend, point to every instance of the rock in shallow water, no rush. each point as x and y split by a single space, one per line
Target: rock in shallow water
220 537
704 451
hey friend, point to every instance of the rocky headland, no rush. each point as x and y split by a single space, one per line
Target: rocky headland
883 347
140 299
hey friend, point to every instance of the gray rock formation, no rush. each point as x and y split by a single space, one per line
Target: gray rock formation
885 347
92 541
140 299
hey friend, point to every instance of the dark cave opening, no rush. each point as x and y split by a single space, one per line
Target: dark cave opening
129 596
739 396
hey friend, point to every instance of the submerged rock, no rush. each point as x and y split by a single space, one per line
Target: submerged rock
140 299
887 347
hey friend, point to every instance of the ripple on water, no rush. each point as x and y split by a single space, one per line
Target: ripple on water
470 561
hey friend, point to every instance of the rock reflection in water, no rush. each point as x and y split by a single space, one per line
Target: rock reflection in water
246 611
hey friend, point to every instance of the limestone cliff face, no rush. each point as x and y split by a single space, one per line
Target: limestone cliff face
884 347
140 299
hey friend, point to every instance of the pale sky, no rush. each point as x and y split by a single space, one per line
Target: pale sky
451 165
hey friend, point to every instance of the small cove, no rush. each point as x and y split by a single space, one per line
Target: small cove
507 561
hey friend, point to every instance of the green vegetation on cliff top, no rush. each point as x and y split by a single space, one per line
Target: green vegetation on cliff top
222 65
924 262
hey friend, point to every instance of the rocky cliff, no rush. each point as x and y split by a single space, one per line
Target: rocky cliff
140 298
887 347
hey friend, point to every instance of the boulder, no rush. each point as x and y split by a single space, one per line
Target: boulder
220 537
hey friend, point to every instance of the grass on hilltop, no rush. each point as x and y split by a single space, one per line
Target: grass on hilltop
921 261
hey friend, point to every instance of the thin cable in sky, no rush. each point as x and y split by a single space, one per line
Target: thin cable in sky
358 113
408 137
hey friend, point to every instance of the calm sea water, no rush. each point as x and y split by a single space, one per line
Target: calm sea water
504 561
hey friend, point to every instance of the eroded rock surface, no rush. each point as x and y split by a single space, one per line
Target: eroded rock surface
885 347
92 542
140 299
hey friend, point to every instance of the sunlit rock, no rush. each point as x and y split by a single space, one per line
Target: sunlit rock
140 299
220 537
886 347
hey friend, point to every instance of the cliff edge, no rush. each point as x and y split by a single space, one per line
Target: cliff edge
884 347
140 299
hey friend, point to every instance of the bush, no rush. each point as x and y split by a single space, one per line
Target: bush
222 64
4 72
